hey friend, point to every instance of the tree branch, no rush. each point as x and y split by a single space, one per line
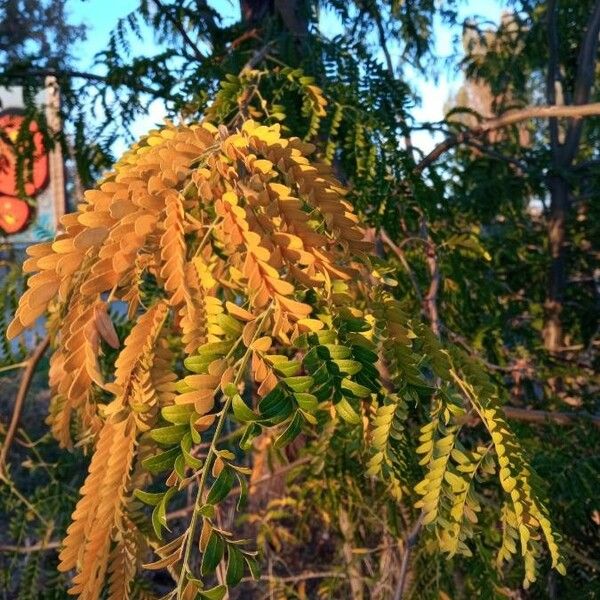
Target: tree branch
586 70
519 167
70 74
543 416
552 75
295 578
20 400
397 250
431 298
181 29
411 542
587 59
183 512
41 547
510 118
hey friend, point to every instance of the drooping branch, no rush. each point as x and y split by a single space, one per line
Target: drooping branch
510 118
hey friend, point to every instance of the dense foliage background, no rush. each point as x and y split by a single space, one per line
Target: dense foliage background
492 238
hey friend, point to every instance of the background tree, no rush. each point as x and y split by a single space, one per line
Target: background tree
456 229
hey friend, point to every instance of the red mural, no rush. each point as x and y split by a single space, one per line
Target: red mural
15 213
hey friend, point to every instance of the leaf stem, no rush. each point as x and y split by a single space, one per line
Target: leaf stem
189 539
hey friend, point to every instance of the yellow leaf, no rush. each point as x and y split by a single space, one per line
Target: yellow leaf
262 344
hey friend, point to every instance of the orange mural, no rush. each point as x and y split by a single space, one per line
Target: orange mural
15 213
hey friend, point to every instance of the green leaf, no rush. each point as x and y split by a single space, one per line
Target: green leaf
351 367
179 466
243 490
207 510
360 391
250 434
230 326
196 437
161 462
212 554
275 406
363 354
159 514
346 412
169 435
287 368
149 498
301 383
199 364
177 413
337 352
215 349
222 486
252 566
307 402
186 446
241 410
235 565
216 593
291 432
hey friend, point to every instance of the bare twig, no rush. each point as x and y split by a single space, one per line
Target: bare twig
510 118
397 250
519 168
13 366
181 29
431 298
556 418
183 512
71 74
257 57
39 547
32 363
301 577
411 541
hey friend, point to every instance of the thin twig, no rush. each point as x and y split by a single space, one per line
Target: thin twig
39 547
13 366
183 512
431 298
397 250
181 29
301 577
92 77
544 416
257 57
411 541
32 363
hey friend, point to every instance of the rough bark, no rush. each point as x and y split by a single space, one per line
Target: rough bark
293 15
563 157
557 277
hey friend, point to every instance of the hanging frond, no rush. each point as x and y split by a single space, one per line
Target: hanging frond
240 256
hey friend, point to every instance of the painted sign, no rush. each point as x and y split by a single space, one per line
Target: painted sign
25 221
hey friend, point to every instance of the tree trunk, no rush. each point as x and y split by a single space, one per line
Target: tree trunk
294 15
557 281
255 11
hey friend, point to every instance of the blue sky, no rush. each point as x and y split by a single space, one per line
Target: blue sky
101 16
